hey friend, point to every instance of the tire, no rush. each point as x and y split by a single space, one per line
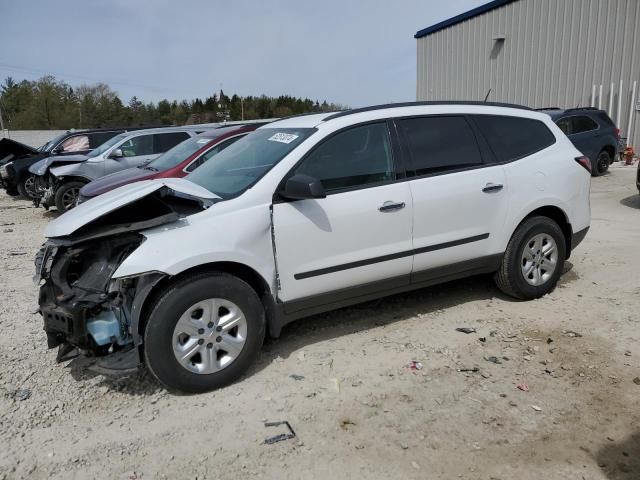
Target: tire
67 195
164 340
603 160
27 187
511 278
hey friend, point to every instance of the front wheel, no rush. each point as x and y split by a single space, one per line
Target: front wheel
27 187
203 332
533 261
67 195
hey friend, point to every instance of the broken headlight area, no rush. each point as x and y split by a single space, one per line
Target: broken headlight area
82 308
44 190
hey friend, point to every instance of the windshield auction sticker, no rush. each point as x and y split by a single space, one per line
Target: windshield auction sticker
283 137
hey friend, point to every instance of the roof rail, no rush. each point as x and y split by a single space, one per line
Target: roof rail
420 104
581 108
548 108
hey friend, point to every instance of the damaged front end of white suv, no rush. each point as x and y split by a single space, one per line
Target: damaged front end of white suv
86 311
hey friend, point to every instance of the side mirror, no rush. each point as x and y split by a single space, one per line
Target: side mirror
117 153
58 150
300 187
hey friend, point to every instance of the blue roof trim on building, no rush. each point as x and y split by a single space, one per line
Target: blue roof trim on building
462 17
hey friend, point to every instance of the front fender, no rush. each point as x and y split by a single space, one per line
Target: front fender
242 237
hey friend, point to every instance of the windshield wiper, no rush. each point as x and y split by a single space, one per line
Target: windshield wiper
148 167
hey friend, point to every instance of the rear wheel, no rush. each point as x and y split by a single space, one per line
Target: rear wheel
533 261
602 163
27 187
67 195
204 332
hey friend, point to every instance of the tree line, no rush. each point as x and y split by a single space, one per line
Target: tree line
49 103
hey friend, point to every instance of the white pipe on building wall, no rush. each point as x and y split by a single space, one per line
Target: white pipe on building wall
631 111
619 112
600 99
611 100
593 95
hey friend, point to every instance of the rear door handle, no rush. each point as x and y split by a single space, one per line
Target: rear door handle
390 206
492 187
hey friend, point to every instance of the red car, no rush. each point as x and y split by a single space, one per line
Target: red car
177 162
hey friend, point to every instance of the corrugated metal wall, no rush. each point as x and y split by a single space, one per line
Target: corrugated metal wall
553 53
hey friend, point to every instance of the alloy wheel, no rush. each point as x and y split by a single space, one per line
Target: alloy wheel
69 198
539 259
603 162
209 335
30 187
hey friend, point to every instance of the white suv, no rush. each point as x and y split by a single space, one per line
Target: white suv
306 215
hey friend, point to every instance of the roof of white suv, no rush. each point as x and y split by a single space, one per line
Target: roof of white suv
315 119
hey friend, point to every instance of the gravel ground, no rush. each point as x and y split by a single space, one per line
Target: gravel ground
341 381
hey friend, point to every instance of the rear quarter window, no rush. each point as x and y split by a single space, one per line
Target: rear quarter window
512 138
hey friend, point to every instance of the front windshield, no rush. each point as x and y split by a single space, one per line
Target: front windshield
242 164
177 154
107 145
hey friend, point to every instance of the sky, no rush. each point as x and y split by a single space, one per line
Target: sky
352 52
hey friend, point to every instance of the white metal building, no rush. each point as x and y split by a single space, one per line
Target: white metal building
540 53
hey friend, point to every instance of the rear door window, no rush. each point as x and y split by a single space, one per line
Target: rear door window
512 138
582 124
98 138
165 141
439 144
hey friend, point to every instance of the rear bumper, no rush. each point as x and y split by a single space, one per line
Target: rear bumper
578 237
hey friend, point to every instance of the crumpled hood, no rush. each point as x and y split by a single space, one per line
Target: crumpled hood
41 167
115 180
10 149
158 200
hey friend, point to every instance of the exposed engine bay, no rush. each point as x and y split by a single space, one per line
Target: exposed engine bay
84 310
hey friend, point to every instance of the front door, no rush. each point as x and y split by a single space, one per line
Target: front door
360 233
135 151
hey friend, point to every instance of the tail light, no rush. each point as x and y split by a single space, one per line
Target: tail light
618 133
585 162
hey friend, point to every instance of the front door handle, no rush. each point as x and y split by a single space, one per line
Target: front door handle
390 206
492 187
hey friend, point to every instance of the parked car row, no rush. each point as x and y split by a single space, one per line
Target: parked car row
301 216
16 158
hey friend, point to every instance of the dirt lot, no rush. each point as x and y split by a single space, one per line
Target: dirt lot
357 410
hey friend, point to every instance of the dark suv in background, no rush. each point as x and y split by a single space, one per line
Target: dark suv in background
14 171
591 131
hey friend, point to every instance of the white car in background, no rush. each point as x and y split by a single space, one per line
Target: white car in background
306 215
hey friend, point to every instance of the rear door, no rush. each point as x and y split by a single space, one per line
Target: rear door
459 194
358 237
